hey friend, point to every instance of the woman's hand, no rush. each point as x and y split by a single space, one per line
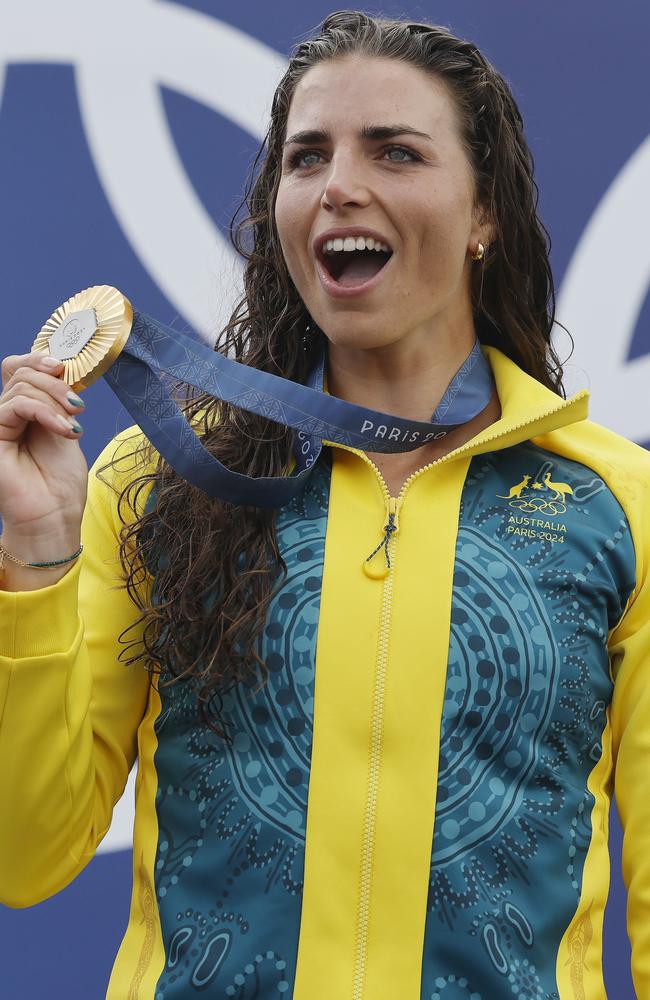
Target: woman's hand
43 472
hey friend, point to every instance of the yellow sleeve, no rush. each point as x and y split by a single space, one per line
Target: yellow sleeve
630 720
69 710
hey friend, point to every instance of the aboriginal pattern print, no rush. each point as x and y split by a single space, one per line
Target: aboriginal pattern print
544 565
232 818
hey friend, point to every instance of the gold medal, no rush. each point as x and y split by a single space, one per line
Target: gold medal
87 333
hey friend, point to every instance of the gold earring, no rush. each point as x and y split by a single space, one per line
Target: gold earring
480 251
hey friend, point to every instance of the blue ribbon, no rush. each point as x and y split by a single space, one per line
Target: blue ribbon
153 348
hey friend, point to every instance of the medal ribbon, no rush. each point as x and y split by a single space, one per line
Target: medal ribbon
314 415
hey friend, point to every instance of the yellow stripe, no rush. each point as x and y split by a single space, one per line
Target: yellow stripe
343 818
345 666
141 957
579 968
413 711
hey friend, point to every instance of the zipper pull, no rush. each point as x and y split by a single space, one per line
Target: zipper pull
381 568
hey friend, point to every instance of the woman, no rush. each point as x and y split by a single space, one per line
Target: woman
378 726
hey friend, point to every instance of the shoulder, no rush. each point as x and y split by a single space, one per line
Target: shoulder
616 448
128 454
624 468
128 460
622 464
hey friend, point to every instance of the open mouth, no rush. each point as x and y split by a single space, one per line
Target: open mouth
350 268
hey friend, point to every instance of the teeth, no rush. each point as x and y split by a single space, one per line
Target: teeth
355 243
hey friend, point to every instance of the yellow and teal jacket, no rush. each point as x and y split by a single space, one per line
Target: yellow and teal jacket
415 805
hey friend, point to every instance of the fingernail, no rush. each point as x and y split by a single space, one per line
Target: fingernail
70 423
74 400
50 361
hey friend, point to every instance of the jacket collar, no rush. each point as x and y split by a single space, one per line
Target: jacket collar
528 408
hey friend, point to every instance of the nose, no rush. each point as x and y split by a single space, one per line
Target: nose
345 183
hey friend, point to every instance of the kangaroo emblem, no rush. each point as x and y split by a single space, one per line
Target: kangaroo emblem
560 489
515 491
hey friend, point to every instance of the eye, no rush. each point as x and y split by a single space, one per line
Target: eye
402 149
296 159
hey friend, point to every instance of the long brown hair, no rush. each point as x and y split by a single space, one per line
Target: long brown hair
215 565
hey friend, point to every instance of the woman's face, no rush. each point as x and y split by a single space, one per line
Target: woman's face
411 189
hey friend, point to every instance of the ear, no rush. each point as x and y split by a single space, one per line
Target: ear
483 229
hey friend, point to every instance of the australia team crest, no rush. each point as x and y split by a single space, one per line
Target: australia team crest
539 503
533 496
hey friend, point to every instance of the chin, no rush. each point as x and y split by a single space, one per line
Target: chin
357 333
356 340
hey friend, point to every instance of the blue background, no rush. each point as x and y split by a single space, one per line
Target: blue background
578 72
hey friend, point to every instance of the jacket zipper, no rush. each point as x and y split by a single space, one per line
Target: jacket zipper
389 544
374 763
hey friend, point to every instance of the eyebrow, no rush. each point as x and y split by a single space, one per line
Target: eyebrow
374 132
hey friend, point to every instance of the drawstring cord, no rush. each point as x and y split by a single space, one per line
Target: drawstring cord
384 543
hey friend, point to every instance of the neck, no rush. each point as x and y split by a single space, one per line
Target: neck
406 382
406 379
